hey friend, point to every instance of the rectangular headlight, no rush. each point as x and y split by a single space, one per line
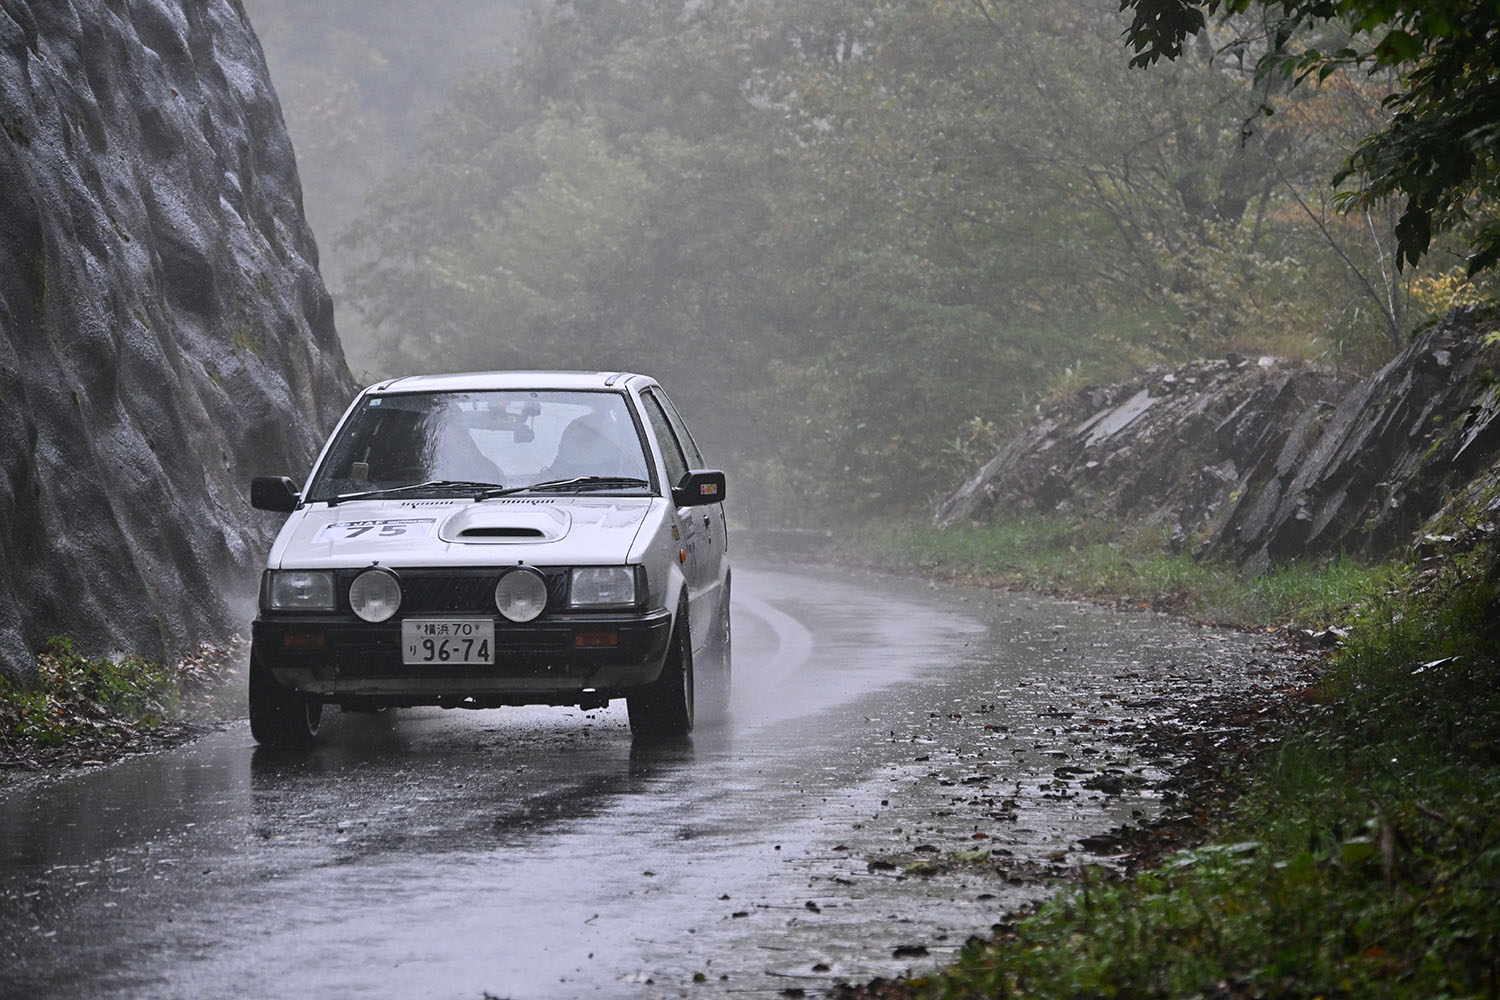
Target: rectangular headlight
602 587
297 590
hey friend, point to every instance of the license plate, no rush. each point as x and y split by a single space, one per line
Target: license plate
448 640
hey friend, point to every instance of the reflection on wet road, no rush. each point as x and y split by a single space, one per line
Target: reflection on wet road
540 853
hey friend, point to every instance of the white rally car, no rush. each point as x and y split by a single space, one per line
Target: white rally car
492 539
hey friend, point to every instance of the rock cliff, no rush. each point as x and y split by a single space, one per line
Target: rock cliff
1260 462
164 333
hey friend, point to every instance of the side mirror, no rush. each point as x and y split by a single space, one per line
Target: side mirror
699 487
276 493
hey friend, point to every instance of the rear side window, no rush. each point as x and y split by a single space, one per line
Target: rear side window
671 450
684 439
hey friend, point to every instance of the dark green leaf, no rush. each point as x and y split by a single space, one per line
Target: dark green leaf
1398 47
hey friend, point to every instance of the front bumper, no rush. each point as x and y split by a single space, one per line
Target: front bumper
558 659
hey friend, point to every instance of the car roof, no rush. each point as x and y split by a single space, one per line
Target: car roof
508 380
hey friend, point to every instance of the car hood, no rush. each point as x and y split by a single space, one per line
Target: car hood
554 531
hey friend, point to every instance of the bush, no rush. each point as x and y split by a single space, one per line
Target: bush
92 704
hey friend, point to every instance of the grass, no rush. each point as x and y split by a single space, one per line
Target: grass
97 706
1364 859
1099 560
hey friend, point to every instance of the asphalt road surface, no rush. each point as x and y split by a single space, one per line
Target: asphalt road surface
903 764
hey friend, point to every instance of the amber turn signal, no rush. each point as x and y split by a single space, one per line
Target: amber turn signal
302 640
595 640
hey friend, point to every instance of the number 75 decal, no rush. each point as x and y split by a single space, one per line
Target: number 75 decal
347 531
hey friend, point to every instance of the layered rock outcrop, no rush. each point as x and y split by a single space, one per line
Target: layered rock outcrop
164 333
1386 458
1261 462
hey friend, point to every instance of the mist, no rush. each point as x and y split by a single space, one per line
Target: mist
858 242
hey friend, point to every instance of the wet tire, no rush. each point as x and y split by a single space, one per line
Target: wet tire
664 708
279 716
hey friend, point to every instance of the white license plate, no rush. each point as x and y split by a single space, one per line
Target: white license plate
448 640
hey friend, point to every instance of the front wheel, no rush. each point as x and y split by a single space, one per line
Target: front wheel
279 716
665 706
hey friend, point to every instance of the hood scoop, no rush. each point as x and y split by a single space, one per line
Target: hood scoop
485 523
503 531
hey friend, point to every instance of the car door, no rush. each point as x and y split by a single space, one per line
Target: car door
703 528
713 516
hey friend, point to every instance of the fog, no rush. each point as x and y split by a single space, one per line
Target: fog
358 83
857 241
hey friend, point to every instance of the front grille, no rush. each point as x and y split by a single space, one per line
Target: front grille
426 594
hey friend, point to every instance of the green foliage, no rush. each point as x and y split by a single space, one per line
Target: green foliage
101 706
1097 558
1437 148
77 697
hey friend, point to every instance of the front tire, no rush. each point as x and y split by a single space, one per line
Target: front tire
664 708
279 716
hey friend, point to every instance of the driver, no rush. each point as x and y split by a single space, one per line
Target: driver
597 443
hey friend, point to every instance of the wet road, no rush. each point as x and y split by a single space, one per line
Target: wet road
880 729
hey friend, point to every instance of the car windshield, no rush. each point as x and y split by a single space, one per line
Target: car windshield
464 443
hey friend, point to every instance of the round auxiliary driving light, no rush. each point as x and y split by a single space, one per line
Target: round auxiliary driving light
521 595
375 595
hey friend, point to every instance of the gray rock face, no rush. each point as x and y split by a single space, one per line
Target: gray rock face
1260 462
164 333
1172 445
1364 479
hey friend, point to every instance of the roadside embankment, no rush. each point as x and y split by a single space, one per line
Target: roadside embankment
1256 462
1345 841
164 332
1345 845
82 711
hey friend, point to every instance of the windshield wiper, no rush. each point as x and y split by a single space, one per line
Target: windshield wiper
559 485
445 484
